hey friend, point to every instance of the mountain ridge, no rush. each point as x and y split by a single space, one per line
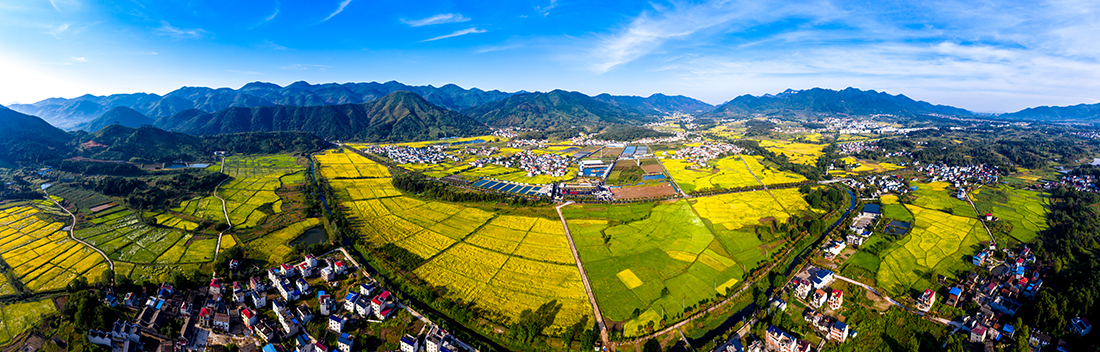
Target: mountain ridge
552 109
850 101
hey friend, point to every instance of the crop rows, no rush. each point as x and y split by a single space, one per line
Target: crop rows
348 164
275 244
40 254
936 245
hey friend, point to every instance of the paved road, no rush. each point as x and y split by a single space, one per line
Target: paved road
584 277
73 237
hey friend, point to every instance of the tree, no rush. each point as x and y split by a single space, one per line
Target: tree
652 345
573 332
1023 334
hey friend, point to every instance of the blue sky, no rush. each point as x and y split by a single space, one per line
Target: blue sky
987 56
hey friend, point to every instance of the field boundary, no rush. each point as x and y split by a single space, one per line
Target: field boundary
73 228
584 276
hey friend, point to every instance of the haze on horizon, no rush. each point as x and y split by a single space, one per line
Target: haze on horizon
986 57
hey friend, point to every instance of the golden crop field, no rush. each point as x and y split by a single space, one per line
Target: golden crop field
727 172
348 164
255 179
40 254
502 263
19 317
937 244
769 175
275 244
802 153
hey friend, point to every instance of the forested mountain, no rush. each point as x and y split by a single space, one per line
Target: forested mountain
556 109
1079 112
119 115
818 100
657 103
71 113
398 117
28 138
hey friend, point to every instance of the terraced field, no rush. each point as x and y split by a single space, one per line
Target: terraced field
40 254
935 195
250 194
275 245
502 263
938 245
1025 210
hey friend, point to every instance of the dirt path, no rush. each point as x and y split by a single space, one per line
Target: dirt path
981 219
73 236
225 211
584 276
765 186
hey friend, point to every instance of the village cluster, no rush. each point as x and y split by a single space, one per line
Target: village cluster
1084 183
812 287
235 310
856 147
531 162
702 154
1001 294
434 154
960 176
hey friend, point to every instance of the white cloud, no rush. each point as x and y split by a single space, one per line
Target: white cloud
246 72
339 9
545 10
456 33
276 13
166 29
437 19
79 59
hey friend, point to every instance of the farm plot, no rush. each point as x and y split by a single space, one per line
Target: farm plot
801 153
40 254
892 209
734 218
935 195
365 188
937 245
728 172
19 317
1025 210
250 195
769 175
335 164
652 264
274 246
127 239
502 263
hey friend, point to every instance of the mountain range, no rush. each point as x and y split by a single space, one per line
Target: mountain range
850 101
555 109
397 117
1075 113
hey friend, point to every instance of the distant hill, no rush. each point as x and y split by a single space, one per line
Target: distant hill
72 113
658 103
29 139
1079 112
119 115
154 145
555 109
817 100
397 117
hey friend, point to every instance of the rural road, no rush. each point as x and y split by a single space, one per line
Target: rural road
981 219
72 236
763 185
584 277
224 211
896 303
351 259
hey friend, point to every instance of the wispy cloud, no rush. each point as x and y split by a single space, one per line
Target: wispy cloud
497 48
271 45
339 9
56 31
276 13
545 10
455 34
437 19
166 29
79 59
306 67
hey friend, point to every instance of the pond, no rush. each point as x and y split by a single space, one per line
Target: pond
315 235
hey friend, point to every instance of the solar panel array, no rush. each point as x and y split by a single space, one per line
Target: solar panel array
508 187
